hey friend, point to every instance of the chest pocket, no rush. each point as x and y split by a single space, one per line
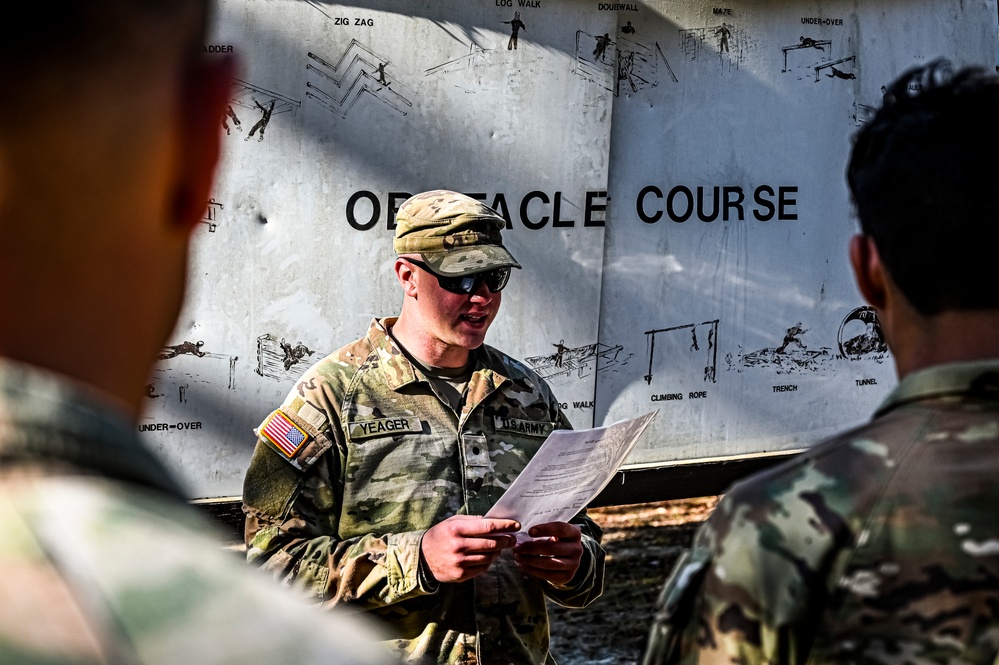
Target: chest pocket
475 451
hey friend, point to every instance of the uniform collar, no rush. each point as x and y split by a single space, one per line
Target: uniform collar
979 377
51 424
400 372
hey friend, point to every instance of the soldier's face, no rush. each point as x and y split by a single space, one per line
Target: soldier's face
458 321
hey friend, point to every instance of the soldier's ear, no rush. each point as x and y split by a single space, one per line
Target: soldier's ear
868 270
406 275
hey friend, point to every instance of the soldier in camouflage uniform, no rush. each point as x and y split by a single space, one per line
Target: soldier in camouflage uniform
882 544
368 483
103 560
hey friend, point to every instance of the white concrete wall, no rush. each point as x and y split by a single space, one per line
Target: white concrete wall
691 99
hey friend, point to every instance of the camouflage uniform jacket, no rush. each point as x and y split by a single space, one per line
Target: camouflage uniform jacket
104 562
377 458
878 546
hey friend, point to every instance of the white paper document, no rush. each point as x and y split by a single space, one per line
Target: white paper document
568 471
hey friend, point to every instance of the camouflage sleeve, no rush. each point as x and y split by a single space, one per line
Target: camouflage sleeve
674 631
751 589
588 582
292 519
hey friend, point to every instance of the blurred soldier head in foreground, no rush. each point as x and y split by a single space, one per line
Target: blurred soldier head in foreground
880 545
108 142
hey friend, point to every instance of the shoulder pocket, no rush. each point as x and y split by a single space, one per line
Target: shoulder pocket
293 438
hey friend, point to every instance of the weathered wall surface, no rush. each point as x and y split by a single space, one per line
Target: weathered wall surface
672 174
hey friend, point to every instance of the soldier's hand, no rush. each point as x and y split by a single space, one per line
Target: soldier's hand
555 553
464 546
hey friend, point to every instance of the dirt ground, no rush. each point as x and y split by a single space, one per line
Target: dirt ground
642 542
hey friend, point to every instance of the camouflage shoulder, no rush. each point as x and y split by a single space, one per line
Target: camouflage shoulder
303 428
330 375
850 464
162 574
780 535
675 628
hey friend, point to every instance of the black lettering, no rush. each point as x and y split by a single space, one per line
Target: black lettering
534 226
669 204
395 200
376 210
556 212
783 201
767 205
640 204
737 203
500 206
592 207
701 215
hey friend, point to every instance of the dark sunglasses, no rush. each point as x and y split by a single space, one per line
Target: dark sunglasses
494 279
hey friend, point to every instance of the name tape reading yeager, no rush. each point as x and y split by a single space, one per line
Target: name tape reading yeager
361 429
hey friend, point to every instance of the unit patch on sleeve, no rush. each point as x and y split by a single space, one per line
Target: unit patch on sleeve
363 429
528 427
285 435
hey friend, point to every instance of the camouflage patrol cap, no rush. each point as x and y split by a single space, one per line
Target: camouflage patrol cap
453 233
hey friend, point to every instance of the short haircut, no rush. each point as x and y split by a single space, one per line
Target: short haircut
923 175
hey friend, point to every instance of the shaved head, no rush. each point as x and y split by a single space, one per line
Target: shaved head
108 144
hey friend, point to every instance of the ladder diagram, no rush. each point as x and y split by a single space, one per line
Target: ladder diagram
245 94
210 218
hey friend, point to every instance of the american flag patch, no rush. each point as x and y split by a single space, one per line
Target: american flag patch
284 434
